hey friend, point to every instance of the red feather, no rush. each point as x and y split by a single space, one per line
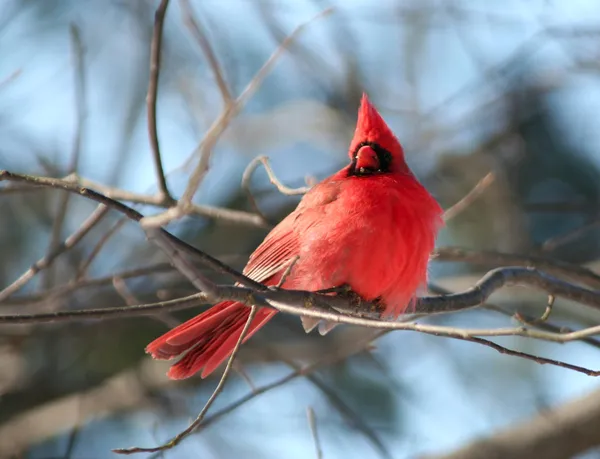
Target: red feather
372 226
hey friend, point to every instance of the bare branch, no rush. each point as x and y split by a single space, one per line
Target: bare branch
125 391
78 53
197 32
155 51
247 177
330 358
49 258
312 424
10 78
551 266
181 262
303 303
527 356
234 216
555 242
130 213
198 421
204 149
319 306
470 197
80 115
82 270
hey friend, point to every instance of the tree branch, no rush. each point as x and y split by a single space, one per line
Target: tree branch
198 421
489 258
155 51
559 433
318 306
61 248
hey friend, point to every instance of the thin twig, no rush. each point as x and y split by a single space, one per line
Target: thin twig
327 360
221 123
124 292
216 213
149 309
527 356
49 258
303 303
312 424
247 178
354 419
470 197
307 303
83 268
130 213
155 53
283 189
80 115
181 262
488 258
10 78
555 242
198 421
80 79
197 32
547 326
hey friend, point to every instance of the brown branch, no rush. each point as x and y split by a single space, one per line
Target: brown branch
470 197
319 306
82 270
80 78
234 216
181 262
546 325
198 421
126 391
47 260
550 265
303 303
148 309
527 356
155 51
565 431
247 178
312 425
570 236
130 213
353 418
197 32
80 115
204 149
10 78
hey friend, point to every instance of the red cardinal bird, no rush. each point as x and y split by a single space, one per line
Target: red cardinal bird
370 226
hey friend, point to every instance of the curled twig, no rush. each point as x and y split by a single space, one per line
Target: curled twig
283 189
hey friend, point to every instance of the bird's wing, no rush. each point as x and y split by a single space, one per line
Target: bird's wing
276 252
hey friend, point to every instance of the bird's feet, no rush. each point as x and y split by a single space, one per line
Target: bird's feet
357 302
341 289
